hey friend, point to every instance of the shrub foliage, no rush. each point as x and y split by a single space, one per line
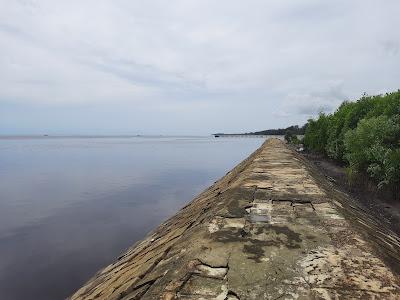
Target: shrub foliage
365 135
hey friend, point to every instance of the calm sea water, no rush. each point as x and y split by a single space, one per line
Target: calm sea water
69 206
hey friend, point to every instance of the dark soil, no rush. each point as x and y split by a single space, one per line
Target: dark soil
380 203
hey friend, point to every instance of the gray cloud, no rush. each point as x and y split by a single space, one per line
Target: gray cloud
309 104
391 47
189 66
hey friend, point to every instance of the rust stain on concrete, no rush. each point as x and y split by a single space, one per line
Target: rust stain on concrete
272 228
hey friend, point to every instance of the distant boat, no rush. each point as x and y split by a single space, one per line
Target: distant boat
45 135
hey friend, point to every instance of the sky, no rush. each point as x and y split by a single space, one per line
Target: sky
189 67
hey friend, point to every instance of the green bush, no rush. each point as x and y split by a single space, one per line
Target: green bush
336 130
291 138
315 137
373 147
364 134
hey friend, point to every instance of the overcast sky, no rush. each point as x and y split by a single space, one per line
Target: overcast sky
189 67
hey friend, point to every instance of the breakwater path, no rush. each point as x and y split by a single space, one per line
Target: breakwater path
272 228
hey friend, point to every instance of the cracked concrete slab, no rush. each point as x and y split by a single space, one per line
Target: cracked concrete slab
272 228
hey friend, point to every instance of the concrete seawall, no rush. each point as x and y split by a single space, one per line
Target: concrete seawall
272 228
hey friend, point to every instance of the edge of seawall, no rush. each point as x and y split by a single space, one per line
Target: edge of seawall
212 191
271 227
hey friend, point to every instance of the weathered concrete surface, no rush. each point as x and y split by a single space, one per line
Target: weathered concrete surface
271 228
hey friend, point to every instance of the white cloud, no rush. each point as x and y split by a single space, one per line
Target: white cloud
270 62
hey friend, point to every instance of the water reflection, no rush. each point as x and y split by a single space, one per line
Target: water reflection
70 206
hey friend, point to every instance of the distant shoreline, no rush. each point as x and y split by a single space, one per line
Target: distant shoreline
36 136
294 129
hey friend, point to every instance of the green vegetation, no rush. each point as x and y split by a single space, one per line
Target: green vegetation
294 129
292 138
365 135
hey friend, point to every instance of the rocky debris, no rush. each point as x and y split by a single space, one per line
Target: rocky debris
271 228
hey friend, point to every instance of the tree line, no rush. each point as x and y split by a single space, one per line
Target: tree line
294 129
364 135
